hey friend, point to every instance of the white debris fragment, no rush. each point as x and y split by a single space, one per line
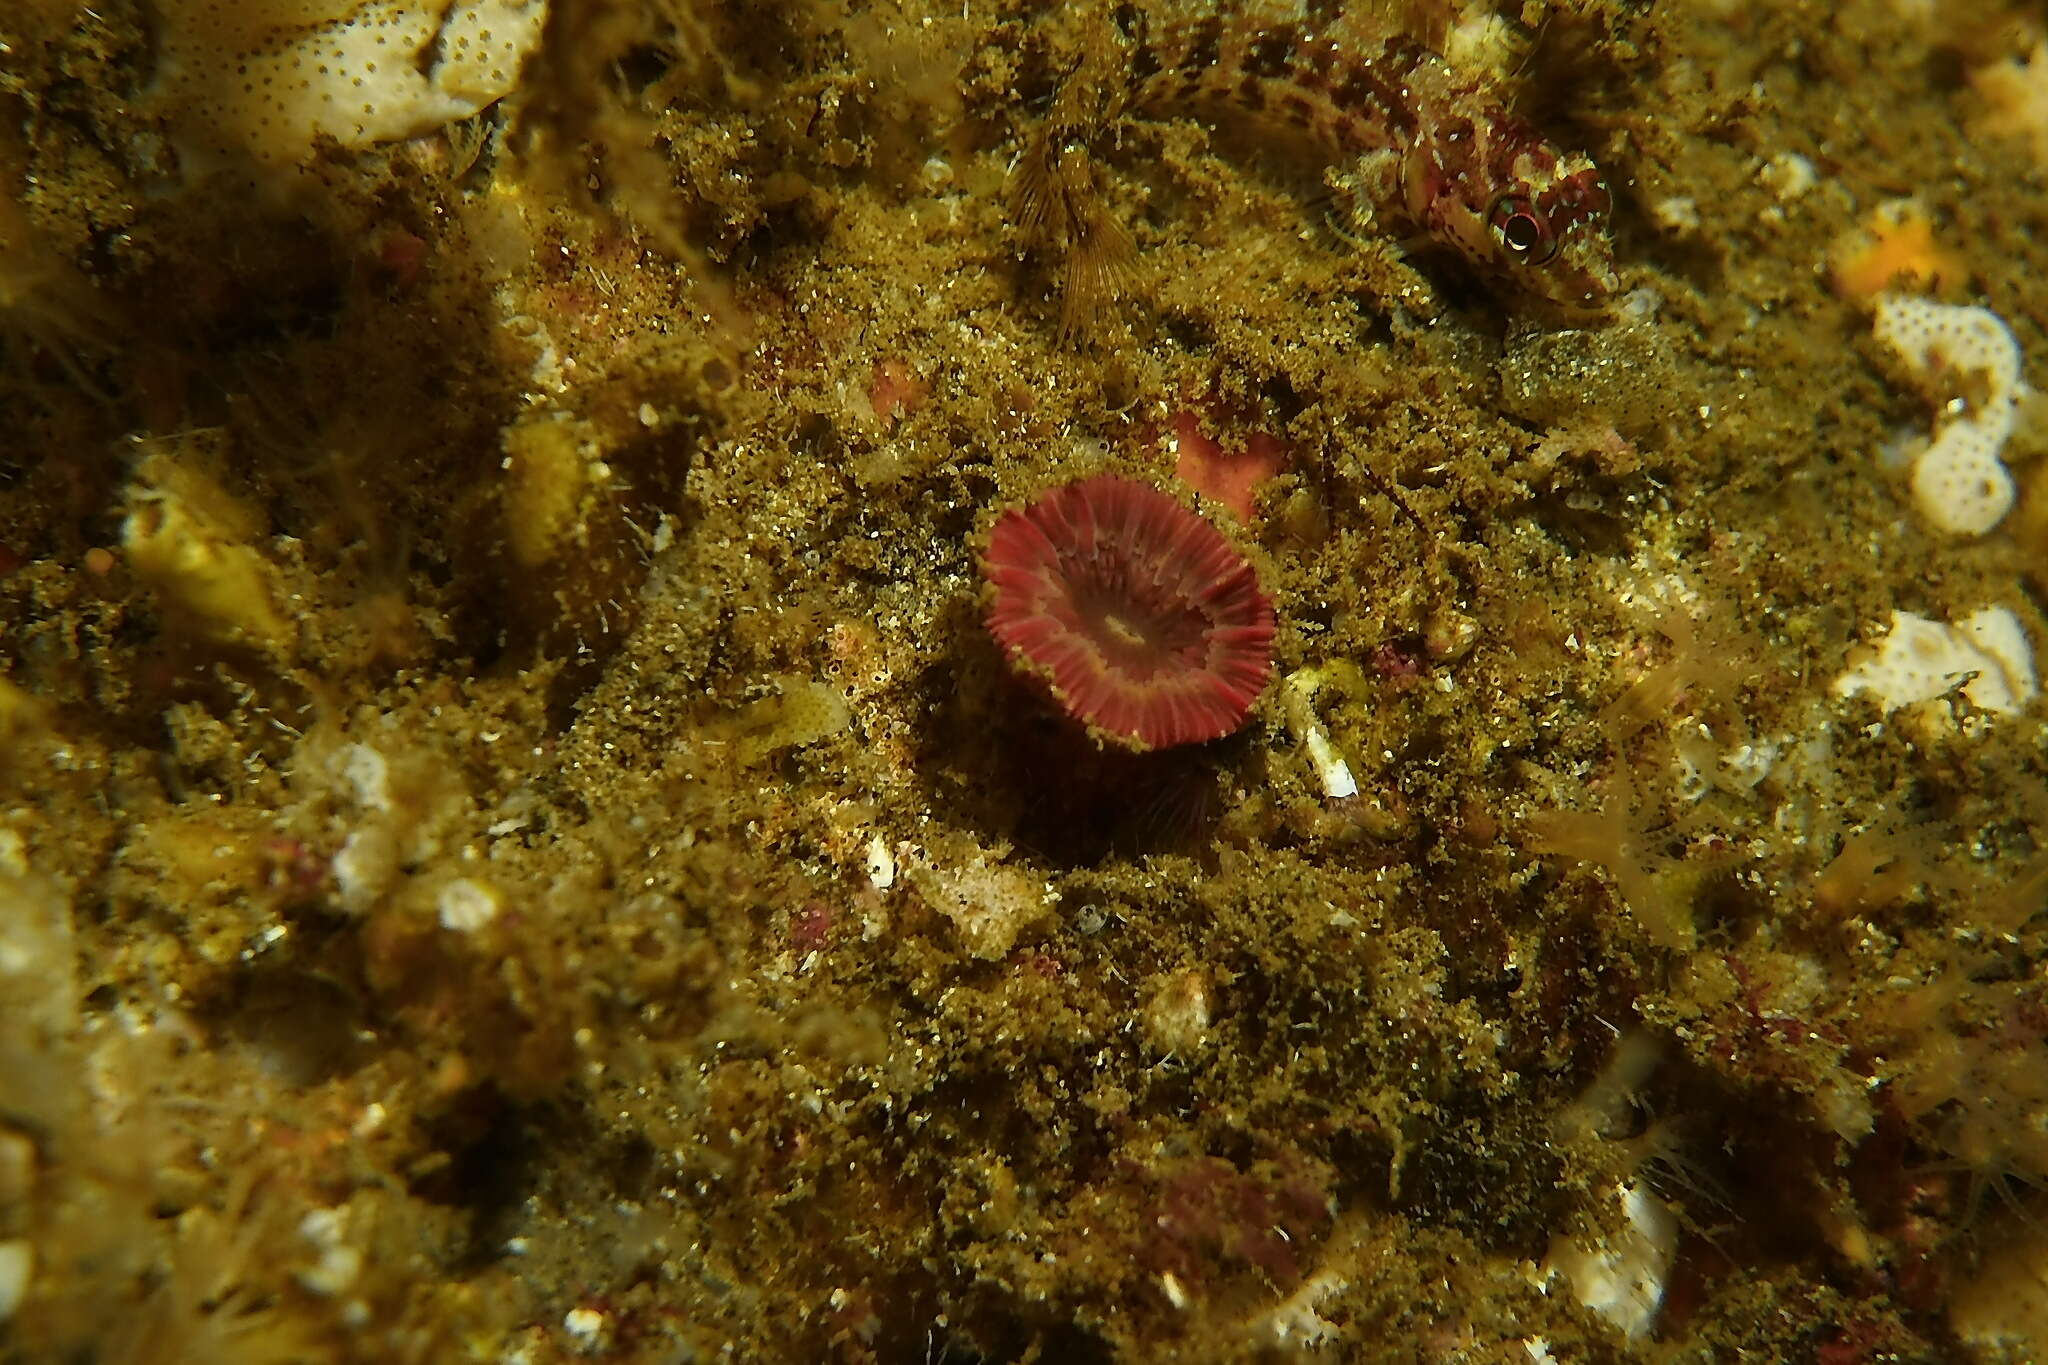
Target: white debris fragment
1330 766
467 906
587 1328
339 1264
1968 361
1622 1276
364 769
365 868
1178 1014
1677 214
1789 176
881 864
370 1122
1482 42
989 902
1331 769
1294 1320
1746 765
1921 659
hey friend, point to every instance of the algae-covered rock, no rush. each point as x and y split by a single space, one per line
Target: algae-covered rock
516 844
199 545
574 557
800 711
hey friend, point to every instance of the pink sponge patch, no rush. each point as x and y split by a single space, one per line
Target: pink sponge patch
1135 613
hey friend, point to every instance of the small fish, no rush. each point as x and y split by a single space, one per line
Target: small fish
1417 145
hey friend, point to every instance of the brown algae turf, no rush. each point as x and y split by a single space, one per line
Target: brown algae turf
515 844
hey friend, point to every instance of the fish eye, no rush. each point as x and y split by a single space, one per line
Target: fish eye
1521 230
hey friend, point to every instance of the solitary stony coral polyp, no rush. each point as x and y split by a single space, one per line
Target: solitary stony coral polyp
1135 613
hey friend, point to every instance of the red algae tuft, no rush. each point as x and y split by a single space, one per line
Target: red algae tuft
1143 622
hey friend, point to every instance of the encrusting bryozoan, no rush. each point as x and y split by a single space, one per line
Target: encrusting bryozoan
1986 656
265 79
1960 485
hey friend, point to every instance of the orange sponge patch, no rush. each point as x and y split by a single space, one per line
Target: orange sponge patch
1895 248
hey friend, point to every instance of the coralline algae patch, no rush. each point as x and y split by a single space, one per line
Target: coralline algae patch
1968 362
1230 476
268 79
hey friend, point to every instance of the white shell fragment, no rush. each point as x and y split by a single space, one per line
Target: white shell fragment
1331 770
467 906
1622 1277
881 864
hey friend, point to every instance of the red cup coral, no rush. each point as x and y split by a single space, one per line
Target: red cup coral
1135 613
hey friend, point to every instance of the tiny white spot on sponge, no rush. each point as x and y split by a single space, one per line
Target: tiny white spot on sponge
1921 659
1960 483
